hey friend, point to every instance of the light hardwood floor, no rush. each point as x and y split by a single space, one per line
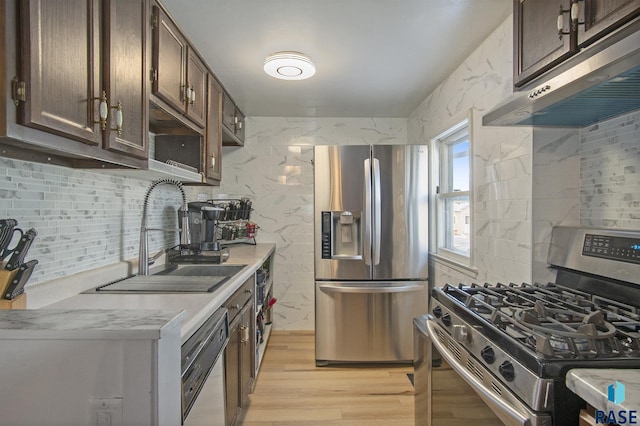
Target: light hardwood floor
291 390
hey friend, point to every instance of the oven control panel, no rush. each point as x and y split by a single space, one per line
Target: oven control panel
612 247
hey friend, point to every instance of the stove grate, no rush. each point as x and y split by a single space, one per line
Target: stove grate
553 320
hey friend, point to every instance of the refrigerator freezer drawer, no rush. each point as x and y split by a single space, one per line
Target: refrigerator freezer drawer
367 321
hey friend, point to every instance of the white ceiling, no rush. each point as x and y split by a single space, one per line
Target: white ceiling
374 58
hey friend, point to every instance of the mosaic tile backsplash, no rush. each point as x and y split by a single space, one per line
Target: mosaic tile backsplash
610 173
84 219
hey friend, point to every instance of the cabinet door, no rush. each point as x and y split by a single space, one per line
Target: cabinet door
537 45
61 98
125 75
247 351
228 113
232 367
213 155
197 89
603 16
169 59
239 125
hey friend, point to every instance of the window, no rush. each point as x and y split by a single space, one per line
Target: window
452 199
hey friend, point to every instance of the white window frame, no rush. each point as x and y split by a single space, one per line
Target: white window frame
454 259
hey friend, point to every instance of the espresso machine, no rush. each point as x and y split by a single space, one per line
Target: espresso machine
203 220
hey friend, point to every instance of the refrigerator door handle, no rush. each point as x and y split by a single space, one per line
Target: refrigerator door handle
377 211
367 212
368 288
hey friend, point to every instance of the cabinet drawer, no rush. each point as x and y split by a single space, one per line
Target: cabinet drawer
240 298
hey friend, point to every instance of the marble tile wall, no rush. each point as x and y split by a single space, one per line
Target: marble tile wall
502 159
275 169
556 191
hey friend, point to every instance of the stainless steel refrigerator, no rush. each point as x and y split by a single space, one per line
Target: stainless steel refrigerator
371 249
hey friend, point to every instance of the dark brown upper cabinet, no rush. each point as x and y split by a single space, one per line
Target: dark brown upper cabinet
200 152
600 17
538 44
213 139
81 75
60 68
197 88
240 125
125 77
232 123
179 75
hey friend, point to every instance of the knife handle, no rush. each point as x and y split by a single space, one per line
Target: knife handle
5 243
17 283
8 223
20 250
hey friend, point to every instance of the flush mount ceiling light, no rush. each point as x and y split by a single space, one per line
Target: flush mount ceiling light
289 66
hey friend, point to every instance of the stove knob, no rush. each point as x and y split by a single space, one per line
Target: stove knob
461 334
446 320
506 369
488 354
437 311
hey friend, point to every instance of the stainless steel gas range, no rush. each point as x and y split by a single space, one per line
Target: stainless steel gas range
514 343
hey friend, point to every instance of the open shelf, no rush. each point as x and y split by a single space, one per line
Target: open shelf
261 348
263 294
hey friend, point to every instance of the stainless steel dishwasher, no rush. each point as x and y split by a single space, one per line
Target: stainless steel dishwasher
203 383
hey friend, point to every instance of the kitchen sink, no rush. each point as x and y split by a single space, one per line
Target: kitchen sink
180 278
189 270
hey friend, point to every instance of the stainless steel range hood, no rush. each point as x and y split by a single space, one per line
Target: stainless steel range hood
599 83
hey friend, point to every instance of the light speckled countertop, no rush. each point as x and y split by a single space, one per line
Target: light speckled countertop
591 384
197 307
99 324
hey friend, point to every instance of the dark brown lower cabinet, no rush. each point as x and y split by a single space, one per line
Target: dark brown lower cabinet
232 367
239 354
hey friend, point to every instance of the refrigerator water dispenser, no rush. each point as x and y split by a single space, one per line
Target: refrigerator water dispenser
341 235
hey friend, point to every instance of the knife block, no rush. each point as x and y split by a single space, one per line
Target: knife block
19 302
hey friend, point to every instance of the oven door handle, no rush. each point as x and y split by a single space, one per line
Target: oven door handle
510 415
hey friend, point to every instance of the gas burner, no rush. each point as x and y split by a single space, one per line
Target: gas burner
568 334
554 321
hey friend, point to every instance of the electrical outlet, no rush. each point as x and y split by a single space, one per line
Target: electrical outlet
106 411
202 197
